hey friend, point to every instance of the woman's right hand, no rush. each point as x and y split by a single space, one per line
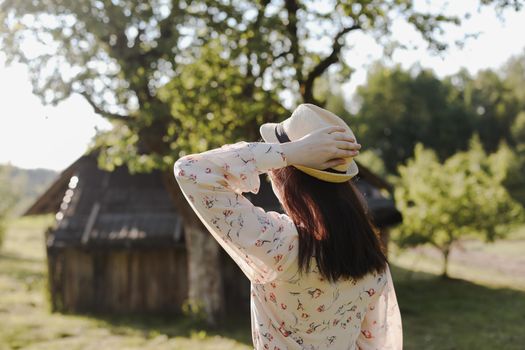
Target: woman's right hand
321 149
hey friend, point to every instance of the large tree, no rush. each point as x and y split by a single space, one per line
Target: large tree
120 54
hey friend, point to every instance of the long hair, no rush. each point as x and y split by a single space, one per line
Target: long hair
333 223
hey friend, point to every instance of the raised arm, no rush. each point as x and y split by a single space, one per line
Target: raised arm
381 328
263 244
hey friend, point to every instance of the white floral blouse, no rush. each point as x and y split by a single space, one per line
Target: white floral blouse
287 312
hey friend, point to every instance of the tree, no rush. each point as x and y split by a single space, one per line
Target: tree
514 76
442 202
400 108
496 101
495 106
513 73
515 179
518 131
120 54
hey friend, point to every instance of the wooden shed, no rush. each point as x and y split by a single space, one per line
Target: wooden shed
118 242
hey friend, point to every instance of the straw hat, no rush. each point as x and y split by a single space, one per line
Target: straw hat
305 119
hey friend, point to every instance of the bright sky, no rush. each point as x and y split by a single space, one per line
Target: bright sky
33 135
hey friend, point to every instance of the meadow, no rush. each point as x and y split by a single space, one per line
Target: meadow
481 307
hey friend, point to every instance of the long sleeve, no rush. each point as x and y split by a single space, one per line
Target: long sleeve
381 328
263 244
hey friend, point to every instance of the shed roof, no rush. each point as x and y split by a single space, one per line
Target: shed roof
113 208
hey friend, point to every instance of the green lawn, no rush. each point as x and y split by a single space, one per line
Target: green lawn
458 314
26 322
437 314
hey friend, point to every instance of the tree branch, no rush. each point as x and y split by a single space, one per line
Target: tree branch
250 81
307 86
291 26
102 112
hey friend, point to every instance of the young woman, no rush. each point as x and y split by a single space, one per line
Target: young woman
319 277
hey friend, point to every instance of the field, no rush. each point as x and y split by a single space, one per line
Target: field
481 307
485 309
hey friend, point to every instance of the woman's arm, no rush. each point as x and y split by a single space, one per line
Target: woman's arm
263 244
382 326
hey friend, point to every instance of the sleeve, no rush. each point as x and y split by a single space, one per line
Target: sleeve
382 327
263 244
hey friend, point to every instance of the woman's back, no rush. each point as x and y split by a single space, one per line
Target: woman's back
309 312
290 307
303 310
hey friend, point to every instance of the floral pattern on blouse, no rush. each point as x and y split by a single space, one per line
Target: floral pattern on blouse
288 311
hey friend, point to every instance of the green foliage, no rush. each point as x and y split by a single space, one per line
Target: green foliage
372 161
463 196
133 61
194 309
518 131
214 104
514 74
509 167
400 108
515 182
494 103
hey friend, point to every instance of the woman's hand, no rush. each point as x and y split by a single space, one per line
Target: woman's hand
321 149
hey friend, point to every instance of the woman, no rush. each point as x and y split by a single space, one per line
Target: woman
319 277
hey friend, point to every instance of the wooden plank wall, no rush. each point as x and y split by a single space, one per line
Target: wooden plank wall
117 281
134 281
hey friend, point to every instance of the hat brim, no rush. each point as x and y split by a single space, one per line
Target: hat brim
267 131
331 177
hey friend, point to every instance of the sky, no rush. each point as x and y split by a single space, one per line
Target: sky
36 136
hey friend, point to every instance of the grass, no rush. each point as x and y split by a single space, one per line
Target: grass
458 314
481 307
27 323
483 311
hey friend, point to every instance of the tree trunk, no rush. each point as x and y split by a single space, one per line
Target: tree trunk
445 252
205 280
204 274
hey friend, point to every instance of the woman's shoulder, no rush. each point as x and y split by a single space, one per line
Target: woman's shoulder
283 218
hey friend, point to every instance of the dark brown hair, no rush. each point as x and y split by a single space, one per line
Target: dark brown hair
333 224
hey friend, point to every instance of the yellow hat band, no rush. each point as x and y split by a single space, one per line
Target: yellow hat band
324 175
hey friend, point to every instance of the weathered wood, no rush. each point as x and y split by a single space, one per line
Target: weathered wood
78 274
118 281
